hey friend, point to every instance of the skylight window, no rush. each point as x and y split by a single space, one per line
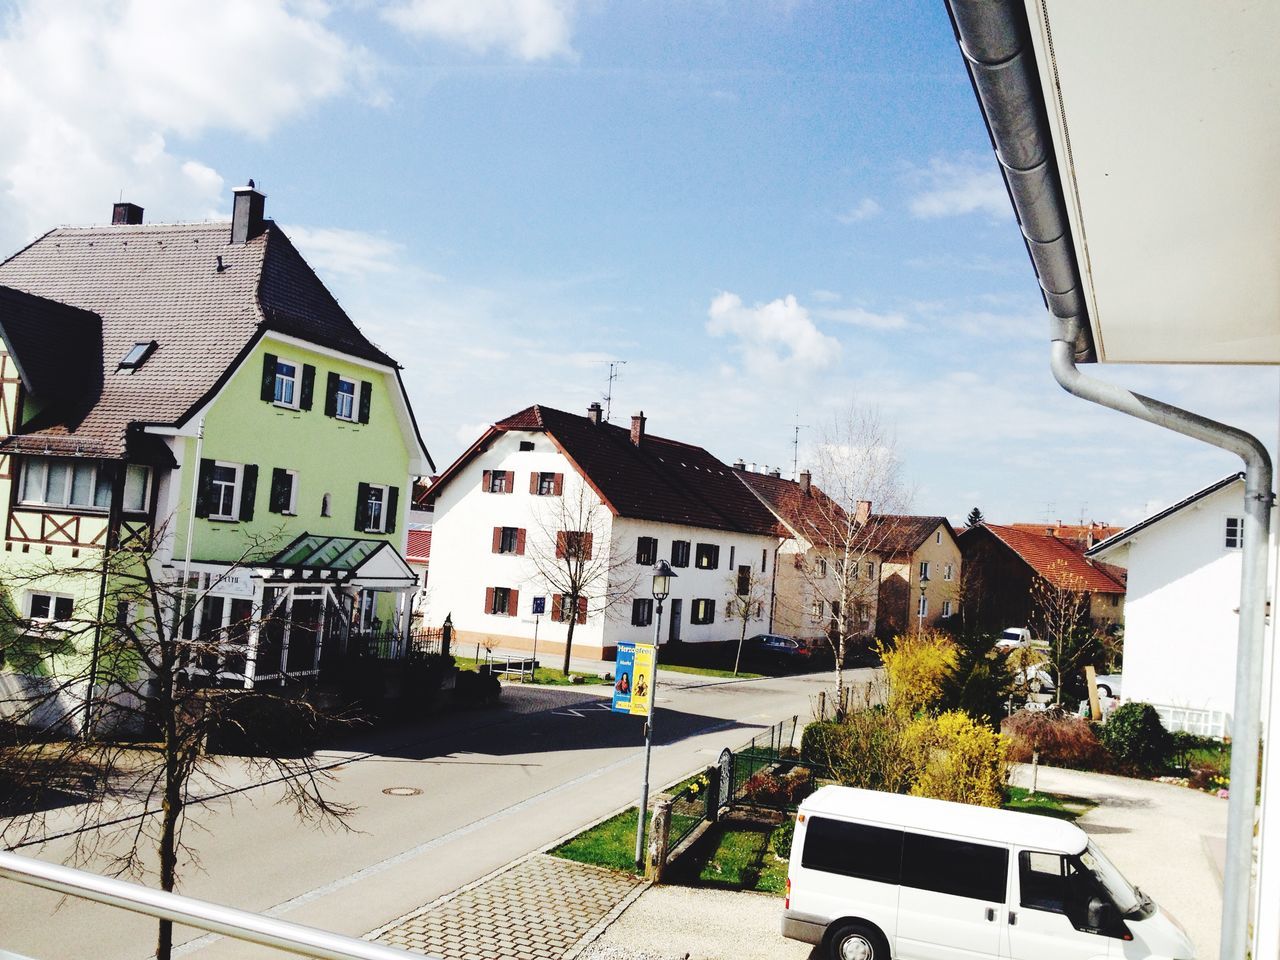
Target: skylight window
137 355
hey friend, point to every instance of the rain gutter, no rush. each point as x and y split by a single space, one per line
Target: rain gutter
994 37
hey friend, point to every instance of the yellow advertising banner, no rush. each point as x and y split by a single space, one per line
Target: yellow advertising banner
642 680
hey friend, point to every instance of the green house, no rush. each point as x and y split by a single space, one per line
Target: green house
195 391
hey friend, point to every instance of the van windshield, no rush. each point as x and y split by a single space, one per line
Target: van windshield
1129 900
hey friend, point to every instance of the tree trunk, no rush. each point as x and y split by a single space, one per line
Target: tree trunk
840 697
573 622
1035 771
171 811
737 661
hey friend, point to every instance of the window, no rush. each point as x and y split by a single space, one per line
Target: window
922 606
949 572
822 567
815 610
1234 538
284 491
375 503
526 446
704 611
679 553
497 481
707 557
501 601
955 867
732 554
937 537
946 608
344 399
65 483
853 850
137 487
225 485
871 570
561 609
286 388
546 484
647 551
137 355
924 569
1058 884
573 544
50 607
641 613
744 579
326 505
764 560
508 540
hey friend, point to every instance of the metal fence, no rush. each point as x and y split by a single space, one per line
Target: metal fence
390 644
694 802
765 753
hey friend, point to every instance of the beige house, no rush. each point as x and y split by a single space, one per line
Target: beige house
920 575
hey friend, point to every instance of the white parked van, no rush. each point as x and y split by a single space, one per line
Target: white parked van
879 875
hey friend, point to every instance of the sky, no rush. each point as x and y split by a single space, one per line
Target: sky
770 210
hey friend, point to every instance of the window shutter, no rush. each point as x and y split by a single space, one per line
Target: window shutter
561 544
331 395
269 377
248 490
488 599
582 609
308 386
635 613
711 611
586 546
366 397
556 604
362 507
485 479
533 482
510 486
559 484
204 488
390 509
497 539
513 602
520 541
278 501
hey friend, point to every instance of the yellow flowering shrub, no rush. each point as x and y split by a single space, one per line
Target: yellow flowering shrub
956 758
914 666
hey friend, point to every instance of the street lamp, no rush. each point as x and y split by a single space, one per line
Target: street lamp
924 579
662 577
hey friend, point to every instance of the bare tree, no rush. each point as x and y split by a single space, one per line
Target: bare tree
574 557
744 601
1060 617
856 469
74 720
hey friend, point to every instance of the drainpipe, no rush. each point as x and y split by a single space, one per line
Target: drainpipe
1247 713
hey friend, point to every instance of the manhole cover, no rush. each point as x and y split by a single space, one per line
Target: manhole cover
402 791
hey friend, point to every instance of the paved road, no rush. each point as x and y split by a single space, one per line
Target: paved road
495 784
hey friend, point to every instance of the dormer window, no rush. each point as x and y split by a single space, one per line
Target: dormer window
137 355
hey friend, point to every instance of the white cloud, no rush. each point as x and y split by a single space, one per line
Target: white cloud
332 250
772 337
865 209
825 296
868 320
95 95
527 29
950 188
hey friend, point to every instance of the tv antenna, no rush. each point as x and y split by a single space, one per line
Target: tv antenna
614 372
795 447
1049 509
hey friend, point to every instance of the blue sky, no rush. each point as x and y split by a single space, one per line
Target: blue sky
767 209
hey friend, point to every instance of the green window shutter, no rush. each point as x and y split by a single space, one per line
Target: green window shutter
362 507
269 377
366 397
331 395
392 506
308 386
248 490
279 499
204 488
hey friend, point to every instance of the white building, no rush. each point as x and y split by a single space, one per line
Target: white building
542 483
1182 612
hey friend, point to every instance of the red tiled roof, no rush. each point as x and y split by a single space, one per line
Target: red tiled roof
1082 535
661 479
812 516
419 547
1055 560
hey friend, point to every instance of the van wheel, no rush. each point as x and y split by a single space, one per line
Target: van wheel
856 941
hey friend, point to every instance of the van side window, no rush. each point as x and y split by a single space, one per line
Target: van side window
852 850
1051 882
955 867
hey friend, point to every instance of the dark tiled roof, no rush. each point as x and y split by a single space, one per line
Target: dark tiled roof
1054 559
660 480
814 516
896 534
1128 532
52 345
162 283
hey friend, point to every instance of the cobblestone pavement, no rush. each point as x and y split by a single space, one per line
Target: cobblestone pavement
536 910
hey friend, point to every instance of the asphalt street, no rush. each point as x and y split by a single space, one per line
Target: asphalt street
470 791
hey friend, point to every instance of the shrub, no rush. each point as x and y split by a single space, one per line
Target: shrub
1134 735
1060 737
914 667
782 836
819 740
979 682
871 752
766 790
955 758
472 687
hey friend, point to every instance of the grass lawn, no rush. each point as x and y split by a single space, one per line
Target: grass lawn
709 671
608 844
545 676
1046 804
735 854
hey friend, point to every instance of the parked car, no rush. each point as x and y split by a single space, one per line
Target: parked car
1108 685
1012 638
1035 678
877 875
775 647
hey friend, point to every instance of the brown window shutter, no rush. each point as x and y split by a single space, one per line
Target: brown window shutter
511 481
561 544
555 607
513 603
497 539
559 484
520 541
484 480
488 599
533 482
582 609
586 546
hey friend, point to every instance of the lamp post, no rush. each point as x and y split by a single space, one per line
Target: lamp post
662 577
924 579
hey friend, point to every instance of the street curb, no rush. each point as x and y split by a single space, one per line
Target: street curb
605 922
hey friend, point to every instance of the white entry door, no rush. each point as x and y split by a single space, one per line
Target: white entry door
952 902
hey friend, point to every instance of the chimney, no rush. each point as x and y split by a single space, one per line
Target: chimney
806 478
861 512
739 464
776 473
126 213
593 413
637 428
246 213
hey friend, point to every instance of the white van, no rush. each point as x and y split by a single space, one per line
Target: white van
879 875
